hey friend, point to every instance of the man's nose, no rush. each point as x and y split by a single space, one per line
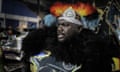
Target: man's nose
60 28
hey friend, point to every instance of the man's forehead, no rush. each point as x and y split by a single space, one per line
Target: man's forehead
63 21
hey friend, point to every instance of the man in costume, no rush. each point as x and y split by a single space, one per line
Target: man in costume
76 49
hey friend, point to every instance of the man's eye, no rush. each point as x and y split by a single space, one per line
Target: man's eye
62 24
65 24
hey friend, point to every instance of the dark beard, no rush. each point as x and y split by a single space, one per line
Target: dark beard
69 51
74 50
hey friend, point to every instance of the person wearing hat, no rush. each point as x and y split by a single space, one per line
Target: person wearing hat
75 50
46 60
83 47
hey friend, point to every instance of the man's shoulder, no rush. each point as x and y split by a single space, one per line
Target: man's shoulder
42 55
45 62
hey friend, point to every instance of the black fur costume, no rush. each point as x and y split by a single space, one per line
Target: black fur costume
92 51
89 49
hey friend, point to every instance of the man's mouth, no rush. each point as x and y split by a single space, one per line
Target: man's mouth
60 36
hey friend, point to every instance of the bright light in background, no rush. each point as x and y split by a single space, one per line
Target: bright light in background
83 9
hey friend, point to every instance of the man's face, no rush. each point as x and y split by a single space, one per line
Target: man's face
66 30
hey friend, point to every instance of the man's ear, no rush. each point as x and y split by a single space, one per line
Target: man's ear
80 28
